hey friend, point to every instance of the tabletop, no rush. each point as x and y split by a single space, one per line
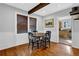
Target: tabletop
38 34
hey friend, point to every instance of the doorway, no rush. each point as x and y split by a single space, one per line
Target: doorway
65 31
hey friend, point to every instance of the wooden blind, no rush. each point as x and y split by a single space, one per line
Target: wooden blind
22 24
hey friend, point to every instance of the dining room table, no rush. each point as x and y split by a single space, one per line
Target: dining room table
39 36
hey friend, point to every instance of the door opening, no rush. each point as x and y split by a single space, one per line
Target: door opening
65 31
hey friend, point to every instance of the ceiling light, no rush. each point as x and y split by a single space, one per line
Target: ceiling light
43 11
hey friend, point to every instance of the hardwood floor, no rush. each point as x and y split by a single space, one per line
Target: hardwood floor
67 41
55 49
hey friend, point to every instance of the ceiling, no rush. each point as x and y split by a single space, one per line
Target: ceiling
23 6
54 7
49 9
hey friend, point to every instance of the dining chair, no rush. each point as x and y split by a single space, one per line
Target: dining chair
35 31
42 42
32 40
48 37
49 33
45 39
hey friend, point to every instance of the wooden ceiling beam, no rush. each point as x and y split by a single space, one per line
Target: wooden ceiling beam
39 6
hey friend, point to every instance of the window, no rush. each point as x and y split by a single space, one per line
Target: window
32 24
65 24
22 24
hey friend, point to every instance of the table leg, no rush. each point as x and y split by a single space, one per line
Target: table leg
38 44
45 43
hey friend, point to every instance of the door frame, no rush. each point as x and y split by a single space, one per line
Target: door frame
66 17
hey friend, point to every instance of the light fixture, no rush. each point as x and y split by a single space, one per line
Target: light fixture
75 13
43 11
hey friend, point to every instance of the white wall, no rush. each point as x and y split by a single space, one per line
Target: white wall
8 22
9 38
39 22
55 29
75 33
74 25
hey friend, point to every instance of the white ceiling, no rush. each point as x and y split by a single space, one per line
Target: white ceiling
23 6
52 8
49 9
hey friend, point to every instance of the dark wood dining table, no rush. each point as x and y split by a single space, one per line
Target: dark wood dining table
38 35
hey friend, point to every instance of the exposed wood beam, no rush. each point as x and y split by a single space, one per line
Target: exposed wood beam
41 5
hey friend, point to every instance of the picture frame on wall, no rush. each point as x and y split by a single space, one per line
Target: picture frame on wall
49 23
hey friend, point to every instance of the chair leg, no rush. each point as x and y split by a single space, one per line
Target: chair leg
49 44
28 44
41 44
45 43
32 45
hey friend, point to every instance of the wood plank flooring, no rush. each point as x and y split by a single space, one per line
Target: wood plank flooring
55 49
